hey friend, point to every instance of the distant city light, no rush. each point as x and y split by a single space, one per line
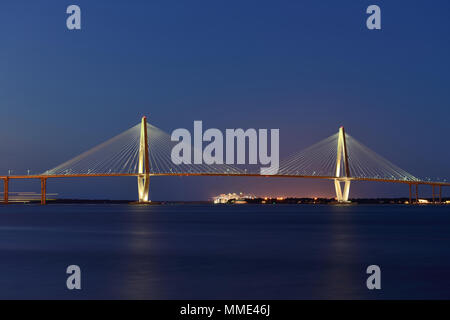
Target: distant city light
232 197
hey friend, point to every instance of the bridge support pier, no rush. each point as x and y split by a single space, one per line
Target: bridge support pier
143 187
144 164
410 194
6 190
43 191
342 196
432 192
417 193
440 194
342 154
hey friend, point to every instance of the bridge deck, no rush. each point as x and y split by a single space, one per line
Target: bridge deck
221 175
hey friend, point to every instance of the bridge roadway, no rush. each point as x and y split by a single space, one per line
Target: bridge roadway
44 178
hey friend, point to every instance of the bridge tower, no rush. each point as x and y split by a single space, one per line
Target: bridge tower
144 167
342 155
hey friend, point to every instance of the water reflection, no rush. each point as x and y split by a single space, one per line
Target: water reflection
141 275
341 271
225 252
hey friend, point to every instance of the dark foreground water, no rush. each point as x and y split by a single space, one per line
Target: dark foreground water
224 252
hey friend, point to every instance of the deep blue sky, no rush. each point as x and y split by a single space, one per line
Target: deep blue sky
305 67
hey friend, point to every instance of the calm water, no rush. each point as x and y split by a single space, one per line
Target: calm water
224 252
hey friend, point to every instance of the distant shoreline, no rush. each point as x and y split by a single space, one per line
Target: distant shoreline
260 201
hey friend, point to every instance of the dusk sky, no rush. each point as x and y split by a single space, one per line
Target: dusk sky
305 67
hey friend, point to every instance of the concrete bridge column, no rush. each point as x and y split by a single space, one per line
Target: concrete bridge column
43 191
342 153
410 194
6 190
417 193
144 164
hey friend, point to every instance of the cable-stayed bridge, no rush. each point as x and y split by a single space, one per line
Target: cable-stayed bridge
144 151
